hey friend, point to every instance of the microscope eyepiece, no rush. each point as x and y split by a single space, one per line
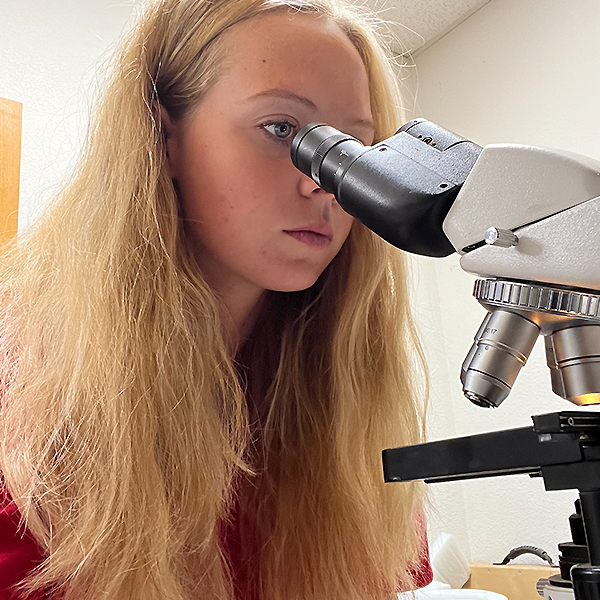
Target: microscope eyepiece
401 188
324 154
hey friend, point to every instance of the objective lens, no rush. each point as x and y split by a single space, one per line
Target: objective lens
573 356
501 347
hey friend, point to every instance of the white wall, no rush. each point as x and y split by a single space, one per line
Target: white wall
520 71
49 54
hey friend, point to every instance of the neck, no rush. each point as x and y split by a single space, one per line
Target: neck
241 301
239 315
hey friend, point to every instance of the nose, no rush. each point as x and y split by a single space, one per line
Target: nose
309 189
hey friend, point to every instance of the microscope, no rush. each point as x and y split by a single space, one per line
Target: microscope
526 221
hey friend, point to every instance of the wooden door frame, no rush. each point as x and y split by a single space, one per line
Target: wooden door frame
11 118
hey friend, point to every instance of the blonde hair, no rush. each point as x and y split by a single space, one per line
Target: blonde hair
125 428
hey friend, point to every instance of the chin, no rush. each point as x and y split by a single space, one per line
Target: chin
297 284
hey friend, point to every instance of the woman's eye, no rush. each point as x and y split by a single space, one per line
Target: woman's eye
282 131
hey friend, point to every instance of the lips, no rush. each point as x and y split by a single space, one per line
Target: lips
324 230
310 238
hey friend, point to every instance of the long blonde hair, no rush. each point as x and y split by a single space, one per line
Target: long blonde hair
125 430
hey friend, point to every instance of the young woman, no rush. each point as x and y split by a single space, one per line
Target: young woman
202 356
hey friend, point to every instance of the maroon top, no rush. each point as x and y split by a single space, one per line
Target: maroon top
19 553
242 528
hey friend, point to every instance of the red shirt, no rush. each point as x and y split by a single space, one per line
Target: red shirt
242 528
19 553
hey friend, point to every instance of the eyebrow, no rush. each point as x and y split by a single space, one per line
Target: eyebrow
289 95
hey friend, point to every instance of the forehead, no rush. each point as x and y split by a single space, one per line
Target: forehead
308 54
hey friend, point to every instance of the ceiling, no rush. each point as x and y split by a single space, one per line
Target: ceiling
419 23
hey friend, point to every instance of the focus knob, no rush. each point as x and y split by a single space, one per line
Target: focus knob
504 238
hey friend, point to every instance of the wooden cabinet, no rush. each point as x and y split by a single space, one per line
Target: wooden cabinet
516 582
10 164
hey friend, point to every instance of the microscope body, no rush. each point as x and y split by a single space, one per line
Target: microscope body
541 277
550 199
523 218
526 220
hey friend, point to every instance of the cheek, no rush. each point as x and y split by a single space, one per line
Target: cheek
347 222
344 226
231 201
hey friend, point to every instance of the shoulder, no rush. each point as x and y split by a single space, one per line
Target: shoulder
423 574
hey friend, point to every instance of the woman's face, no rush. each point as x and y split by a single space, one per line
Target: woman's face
257 222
